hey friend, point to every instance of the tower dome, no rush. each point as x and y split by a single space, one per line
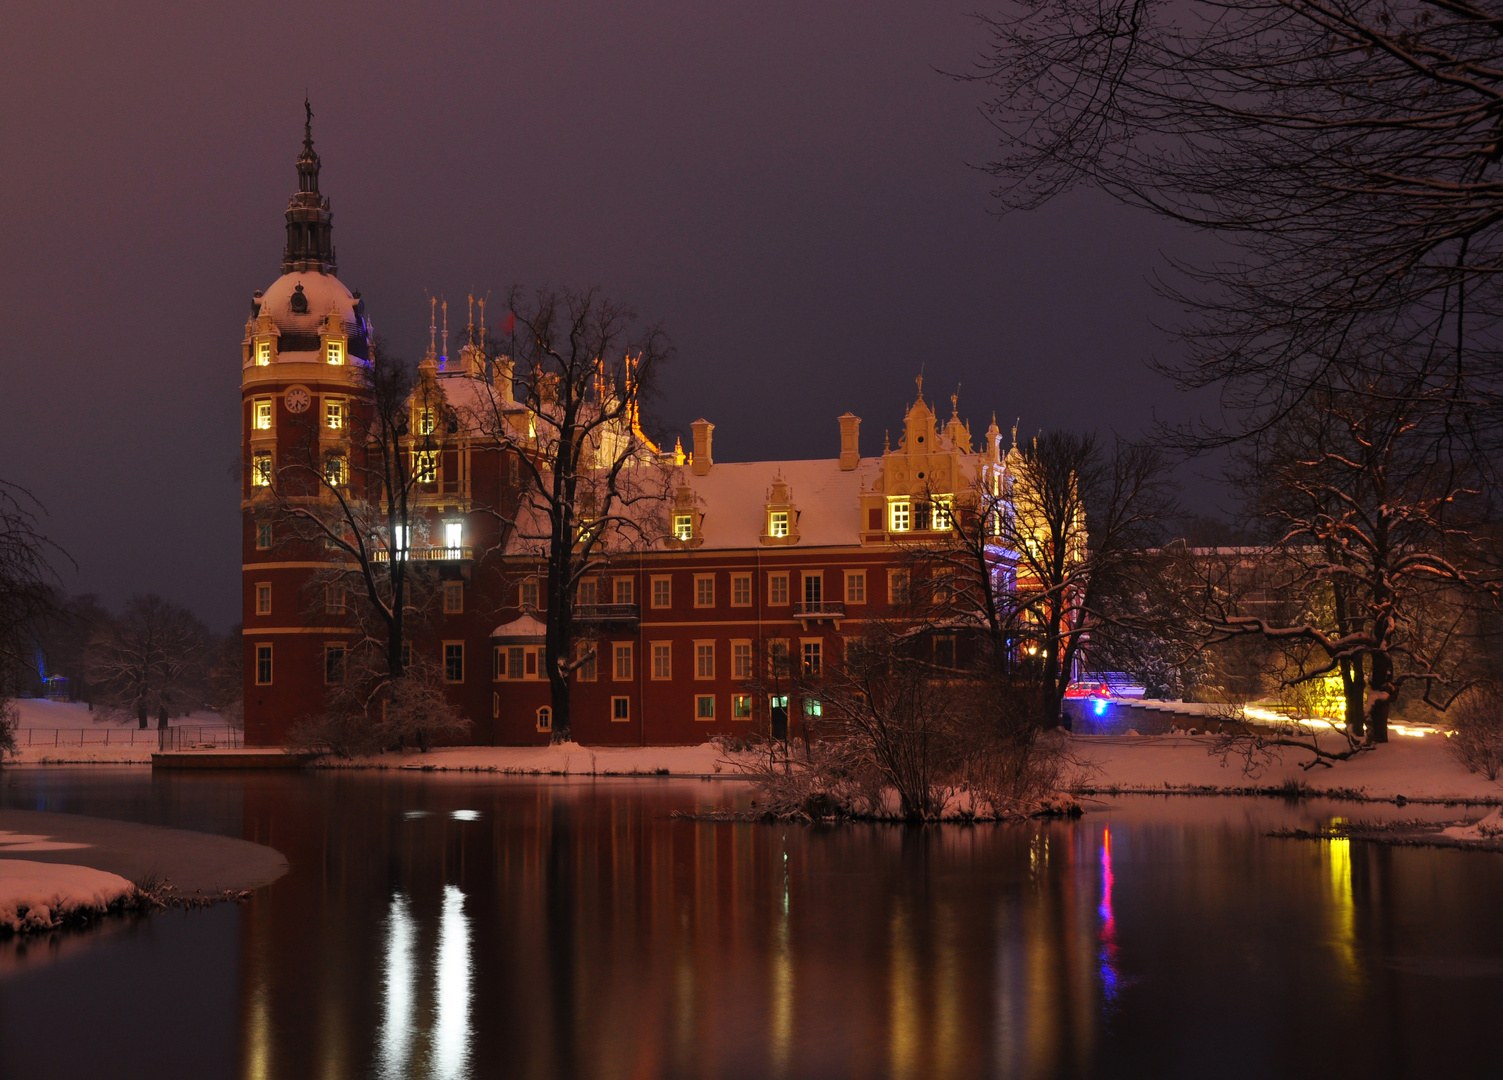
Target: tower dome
308 302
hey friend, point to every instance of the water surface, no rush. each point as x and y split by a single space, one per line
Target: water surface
443 926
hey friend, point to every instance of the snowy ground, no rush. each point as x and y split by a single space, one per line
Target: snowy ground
64 732
41 895
572 758
1414 766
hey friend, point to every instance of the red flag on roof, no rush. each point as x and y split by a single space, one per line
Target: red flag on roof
511 322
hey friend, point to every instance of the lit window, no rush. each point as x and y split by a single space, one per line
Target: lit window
263 599
811 657
777 588
704 590
704 659
855 587
662 592
704 706
263 665
335 471
454 661
662 660
334 414
625 592
545 719
334 600
453 535
585 654
683 526
333 664
453 597
740 590
620 708
778 525
263 353
897 586
899 515
813 709
622 671
426 421
261 470
399 540
741 660
741 706
263 535
944 512
425 466
262 420
335 352
529 597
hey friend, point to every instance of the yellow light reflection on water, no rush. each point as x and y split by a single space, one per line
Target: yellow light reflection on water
1338 852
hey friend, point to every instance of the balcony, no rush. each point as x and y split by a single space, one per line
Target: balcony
605 613
818 610
427 554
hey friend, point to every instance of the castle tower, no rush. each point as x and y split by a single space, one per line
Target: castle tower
301 389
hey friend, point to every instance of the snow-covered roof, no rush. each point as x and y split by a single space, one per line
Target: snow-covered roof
525 628
324 293
733 498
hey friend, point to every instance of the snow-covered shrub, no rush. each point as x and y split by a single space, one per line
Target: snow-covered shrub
412 710
1477 733
10 718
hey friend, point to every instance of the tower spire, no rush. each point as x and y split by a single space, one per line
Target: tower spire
310 222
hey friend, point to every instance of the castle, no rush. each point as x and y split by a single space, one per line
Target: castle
754 559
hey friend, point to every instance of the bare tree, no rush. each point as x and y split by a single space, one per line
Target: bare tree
28 596
1078 528
1383 540
355 501
152 658
1346 150
565 406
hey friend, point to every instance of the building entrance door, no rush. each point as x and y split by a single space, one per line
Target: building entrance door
779 710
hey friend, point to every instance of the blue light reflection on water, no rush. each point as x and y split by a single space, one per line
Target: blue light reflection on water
1107 954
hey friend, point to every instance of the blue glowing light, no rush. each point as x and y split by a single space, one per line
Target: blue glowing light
1100 705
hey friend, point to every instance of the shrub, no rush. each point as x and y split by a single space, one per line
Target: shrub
1477 733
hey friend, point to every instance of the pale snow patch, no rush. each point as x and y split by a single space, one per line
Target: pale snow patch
38 895
1489 828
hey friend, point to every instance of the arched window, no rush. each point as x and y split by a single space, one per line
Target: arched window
545 719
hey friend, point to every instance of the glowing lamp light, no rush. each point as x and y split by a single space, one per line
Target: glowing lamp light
1099 705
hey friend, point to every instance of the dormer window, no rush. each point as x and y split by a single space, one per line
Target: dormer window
777 523
899 515
944 513
334 352
334 414
263 353
683 526
261 420
426 421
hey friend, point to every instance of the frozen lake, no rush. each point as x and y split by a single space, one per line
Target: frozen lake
444 926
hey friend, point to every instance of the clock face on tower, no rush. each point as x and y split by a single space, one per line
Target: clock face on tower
297 400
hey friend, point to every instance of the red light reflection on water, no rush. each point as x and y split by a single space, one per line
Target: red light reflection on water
1107 937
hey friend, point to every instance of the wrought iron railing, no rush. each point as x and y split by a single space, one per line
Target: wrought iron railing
819 609
605 612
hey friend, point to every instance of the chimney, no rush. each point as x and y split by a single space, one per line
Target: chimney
701 460
850 442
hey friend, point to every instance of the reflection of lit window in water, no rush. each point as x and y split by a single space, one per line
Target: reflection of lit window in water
1107 957
451 989
1343 928
398 1041
394 1043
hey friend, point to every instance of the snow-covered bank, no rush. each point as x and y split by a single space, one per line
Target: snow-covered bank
1418 768
44 895
570 759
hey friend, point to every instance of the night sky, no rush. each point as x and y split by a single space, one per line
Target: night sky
788 186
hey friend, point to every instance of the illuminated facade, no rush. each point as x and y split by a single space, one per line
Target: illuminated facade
754 561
